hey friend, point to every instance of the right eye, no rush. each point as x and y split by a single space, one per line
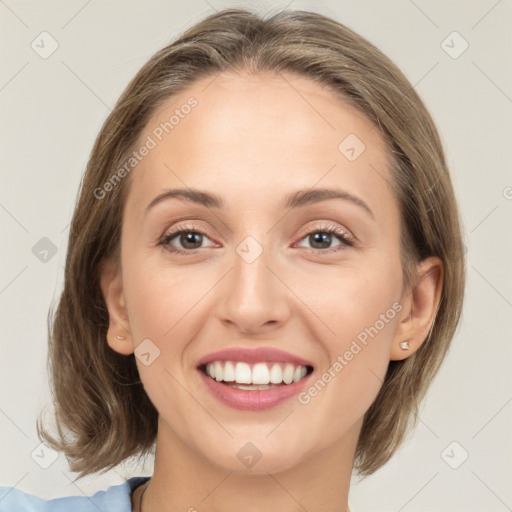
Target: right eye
188 237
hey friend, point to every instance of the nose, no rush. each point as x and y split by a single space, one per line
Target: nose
254 299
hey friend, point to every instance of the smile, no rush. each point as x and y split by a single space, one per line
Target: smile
253 378
262 375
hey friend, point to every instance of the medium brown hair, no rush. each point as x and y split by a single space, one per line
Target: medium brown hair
102 412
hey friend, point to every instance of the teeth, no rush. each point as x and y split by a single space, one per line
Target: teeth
219 371
288 374
259 376
276 374
297 374
252 387
242 373
229 372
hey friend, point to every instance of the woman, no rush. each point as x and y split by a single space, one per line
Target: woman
265 270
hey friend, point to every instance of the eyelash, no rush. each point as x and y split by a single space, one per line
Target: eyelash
326 229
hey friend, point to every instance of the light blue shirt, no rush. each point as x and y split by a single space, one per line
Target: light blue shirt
116 498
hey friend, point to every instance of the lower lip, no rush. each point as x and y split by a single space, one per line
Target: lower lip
257 400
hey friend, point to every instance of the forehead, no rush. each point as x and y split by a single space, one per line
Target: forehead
263 135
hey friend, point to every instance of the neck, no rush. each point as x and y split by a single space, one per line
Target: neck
184 480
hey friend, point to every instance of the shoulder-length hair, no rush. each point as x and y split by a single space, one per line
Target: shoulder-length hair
102 411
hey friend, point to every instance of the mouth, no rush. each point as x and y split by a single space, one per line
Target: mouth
254 379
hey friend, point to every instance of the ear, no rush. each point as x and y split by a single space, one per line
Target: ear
420 307
118 334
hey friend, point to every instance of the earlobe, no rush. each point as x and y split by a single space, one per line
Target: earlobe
118 334
420 310
404 345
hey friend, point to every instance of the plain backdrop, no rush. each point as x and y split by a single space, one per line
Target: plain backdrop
457 54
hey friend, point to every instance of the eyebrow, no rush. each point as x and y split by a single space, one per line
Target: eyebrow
294 200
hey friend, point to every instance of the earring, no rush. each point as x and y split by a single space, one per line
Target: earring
404 345
120 337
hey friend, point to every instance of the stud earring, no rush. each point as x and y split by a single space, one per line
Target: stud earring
404 345
120 337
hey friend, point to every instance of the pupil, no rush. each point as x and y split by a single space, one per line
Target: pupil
321 238
189 239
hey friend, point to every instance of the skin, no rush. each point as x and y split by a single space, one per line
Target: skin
253 139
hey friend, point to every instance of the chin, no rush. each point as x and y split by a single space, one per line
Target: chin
256 455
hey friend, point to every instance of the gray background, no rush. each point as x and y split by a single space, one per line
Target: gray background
51 111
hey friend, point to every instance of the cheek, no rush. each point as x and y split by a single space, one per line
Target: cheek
347 300
358 312
159 298
165 306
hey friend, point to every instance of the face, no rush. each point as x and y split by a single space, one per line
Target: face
298 264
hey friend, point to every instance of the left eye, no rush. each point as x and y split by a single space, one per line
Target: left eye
322 239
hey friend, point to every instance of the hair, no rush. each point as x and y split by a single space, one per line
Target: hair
108 417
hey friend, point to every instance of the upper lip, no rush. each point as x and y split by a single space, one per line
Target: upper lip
253 355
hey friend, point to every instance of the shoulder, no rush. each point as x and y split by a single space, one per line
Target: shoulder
116 498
